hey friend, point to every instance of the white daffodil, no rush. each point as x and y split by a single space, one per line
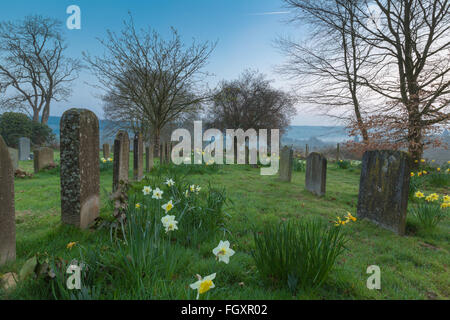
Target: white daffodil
146 191
170 182
203 285
157 194
197 189
223 252
168 206
192 188
169 223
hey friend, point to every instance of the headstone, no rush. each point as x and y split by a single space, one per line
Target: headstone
286 163
149 158
24 149
106 153
138 157
14 155
7 212
43 157
80 167
384 188
121 160
316 173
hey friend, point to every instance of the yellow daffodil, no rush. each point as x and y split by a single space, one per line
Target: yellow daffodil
419 174
412 174
438 169
70 245
169 223
446 198
445 205
138 205
422 160
350 217
425 172
203 285
419 195
416 161
168 206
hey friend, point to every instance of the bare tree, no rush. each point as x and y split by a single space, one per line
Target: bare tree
32 62
155 79
250 102
411 70
328 63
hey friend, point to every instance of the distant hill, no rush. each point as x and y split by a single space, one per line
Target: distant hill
315 136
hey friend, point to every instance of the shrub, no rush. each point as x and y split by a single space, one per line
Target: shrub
299 165
15 125
343 164
298 253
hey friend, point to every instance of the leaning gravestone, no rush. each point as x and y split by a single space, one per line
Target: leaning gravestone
80 167
384 188
24 149
43 157
106 153
14 155
121 166
316 173
7 213
149 158
286 163
138 157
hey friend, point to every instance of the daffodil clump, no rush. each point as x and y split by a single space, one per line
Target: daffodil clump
429 211
348 218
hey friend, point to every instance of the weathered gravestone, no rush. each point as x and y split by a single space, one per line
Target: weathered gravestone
7 213
14 155
286 163
149 158
138 157
106 153
43 157
316 173
80 167
121 166
24 149
384 188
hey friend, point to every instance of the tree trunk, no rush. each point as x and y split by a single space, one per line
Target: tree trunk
156 141
415 143
46 113
35 115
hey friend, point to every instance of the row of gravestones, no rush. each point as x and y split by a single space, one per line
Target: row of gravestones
383 188
79 171
42 157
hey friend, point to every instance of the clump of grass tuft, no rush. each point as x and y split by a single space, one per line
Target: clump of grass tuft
300 254
428 214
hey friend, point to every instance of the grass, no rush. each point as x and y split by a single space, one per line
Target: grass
412 267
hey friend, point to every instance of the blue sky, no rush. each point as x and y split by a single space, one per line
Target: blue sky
244 29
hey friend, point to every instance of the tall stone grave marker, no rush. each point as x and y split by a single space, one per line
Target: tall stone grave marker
14 155
7 212
43 157
106 153
80 167
24 149
316 173
121 165
286 163
138 157
384 188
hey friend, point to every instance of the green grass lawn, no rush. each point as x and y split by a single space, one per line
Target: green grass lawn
412 267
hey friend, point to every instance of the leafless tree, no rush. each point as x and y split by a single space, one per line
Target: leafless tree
411 70
155 80
328 63
32 62
250 102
